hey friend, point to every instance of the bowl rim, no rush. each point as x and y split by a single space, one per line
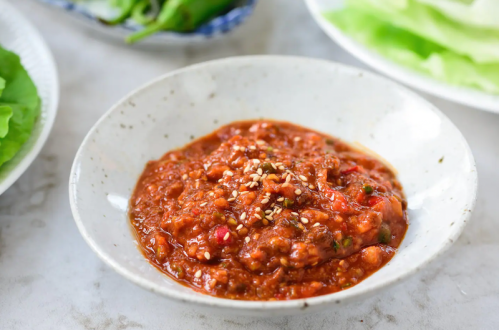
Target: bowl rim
463 95
52 100
304 303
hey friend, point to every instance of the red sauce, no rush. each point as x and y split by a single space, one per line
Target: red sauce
264 210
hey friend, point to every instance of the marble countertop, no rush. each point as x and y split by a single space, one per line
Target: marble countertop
50 279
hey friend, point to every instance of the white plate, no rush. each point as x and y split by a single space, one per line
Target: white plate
346 102
20 37
412 78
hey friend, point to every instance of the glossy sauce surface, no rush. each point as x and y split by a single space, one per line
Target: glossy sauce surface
264 210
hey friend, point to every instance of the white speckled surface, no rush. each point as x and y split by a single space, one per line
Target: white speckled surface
50 279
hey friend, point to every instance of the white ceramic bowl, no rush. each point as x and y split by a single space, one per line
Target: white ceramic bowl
434 162
20 37
467 96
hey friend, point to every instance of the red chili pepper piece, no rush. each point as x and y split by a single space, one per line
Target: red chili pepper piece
340 203
196 211
374 200
220 233
350 170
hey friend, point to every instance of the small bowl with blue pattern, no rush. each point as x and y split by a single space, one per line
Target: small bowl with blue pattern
91 13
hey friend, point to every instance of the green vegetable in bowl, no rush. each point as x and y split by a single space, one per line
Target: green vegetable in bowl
19 105
182 16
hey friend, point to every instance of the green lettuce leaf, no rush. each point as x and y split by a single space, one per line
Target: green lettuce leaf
481 45
19 105
414 51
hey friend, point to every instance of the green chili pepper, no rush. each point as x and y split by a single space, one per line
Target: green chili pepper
385 233
139 12
288 203
182 16
218 215
344 286
125 7
368 189
270 149
268 168
347 242
329 142
336 246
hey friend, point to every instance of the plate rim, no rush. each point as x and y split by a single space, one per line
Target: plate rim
264 306
52 100
411 78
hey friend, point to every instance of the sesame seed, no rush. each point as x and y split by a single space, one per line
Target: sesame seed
231 199
253 175
238 227
278 164
256 178
229 173
280 199
263 177
244 192
258 209
256 161
258 216
279 211
243 216
304 220
247 239
294 213
252 147
311 186
226 237
298 191
248 183
265 201
273 166
247 168
197 184
207 255
281 168
303 178
198 274
284 176
265 222
268 212
203 204
272 205
297 138
285 184
220 180
253 184
236 148
317 224
267 193
184 176
260 142
234 193
212 193
304 184
259 171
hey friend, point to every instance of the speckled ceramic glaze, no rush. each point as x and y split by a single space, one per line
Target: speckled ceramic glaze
18 36
432 158
468 96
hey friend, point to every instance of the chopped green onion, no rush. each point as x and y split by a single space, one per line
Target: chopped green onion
288 203
336 246
347 242
385 233
368 189
268 168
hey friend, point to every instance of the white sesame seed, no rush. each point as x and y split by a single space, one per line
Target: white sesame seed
281 168
257 209
253 175
298 191
258 216
198 274
275 167
267 193
247 168
304 184
317 224
285 184
265 201
304 220
220 180
297 138
311 186
184 176
294 213
244 192
256 178
259 171
288 178
263 177
260 142
272 205
231 199
252 147
303 178
256 161
238 227
278 164
236 148
252 184
243 216
268 217
234 193
268 211
207 255
247 239
212 193
280 199
229 173
279 211
284 176
203 204
226 237
248 183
